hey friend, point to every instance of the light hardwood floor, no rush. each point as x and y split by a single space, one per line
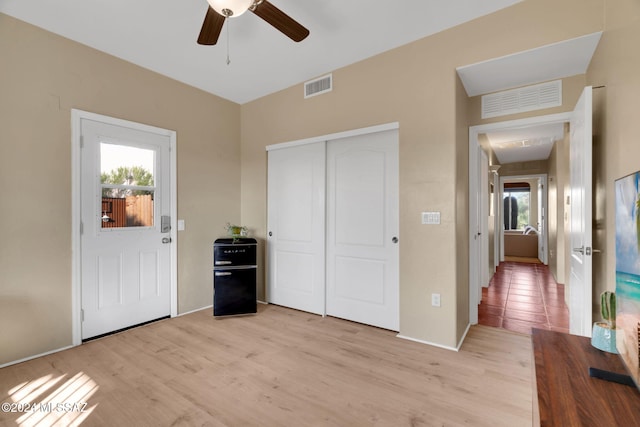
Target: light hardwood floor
280 367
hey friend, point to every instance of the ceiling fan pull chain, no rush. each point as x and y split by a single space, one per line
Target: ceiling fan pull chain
228 25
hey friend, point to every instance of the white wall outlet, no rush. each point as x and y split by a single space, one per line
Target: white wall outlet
435 300
431 217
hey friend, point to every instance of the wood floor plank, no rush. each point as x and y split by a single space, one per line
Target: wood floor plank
284 367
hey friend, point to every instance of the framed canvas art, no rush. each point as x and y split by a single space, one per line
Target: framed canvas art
628 271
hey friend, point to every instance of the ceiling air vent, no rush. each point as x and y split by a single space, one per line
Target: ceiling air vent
529 98
318 86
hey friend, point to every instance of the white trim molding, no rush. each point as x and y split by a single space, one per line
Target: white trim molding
338 135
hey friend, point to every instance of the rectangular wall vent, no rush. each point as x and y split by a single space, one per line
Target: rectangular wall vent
318 86
529 98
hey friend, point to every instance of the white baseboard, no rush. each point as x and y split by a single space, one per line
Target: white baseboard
35 356
446 347
196 310
464 335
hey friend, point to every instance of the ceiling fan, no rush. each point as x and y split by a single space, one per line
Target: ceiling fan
220 10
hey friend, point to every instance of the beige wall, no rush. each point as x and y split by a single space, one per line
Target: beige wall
415 85
615 65
43 77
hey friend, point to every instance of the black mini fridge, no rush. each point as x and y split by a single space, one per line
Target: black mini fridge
234 276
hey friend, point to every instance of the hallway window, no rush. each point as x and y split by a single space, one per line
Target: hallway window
517 198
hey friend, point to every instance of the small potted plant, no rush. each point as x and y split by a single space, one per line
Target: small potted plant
236 231
603 336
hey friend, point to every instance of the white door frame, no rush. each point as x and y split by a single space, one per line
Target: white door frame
474 132
76 250
483 218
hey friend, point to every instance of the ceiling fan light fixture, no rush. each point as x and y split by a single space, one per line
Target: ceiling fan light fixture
230 8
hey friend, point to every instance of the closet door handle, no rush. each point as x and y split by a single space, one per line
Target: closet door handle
394 239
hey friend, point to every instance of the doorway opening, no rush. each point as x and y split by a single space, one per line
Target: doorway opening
518 172
576 211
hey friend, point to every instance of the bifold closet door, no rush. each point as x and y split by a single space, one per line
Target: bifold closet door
362 282
296 227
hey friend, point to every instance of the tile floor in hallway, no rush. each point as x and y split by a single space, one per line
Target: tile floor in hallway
521 296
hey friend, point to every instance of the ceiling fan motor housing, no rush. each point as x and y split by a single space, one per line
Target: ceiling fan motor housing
220 10
229 8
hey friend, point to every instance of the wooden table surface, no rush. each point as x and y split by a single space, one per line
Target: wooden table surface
568 396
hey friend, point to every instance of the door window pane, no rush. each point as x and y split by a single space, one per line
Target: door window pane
128 188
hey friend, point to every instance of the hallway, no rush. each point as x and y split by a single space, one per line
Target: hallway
521 296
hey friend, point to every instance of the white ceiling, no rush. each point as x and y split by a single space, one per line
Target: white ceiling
525 143
555 61
161 35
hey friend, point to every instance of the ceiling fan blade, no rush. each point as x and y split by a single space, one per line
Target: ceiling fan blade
281 21
211 27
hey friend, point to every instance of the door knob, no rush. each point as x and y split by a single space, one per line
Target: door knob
166 240
581 250
394 239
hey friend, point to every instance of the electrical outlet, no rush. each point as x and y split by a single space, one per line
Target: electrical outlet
435 300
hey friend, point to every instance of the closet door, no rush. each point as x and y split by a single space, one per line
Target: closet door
362 229
296 233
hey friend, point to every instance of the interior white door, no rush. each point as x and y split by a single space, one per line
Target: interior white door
125 208
543 237
483 220
296 227
580 281
362 229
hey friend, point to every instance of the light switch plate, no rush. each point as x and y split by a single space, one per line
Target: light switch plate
431 217
435 300
181 225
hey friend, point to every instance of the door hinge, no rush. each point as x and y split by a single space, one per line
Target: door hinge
82 314
81 228
81 141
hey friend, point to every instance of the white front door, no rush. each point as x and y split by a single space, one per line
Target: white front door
362 229
125 240
295 223
580 282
